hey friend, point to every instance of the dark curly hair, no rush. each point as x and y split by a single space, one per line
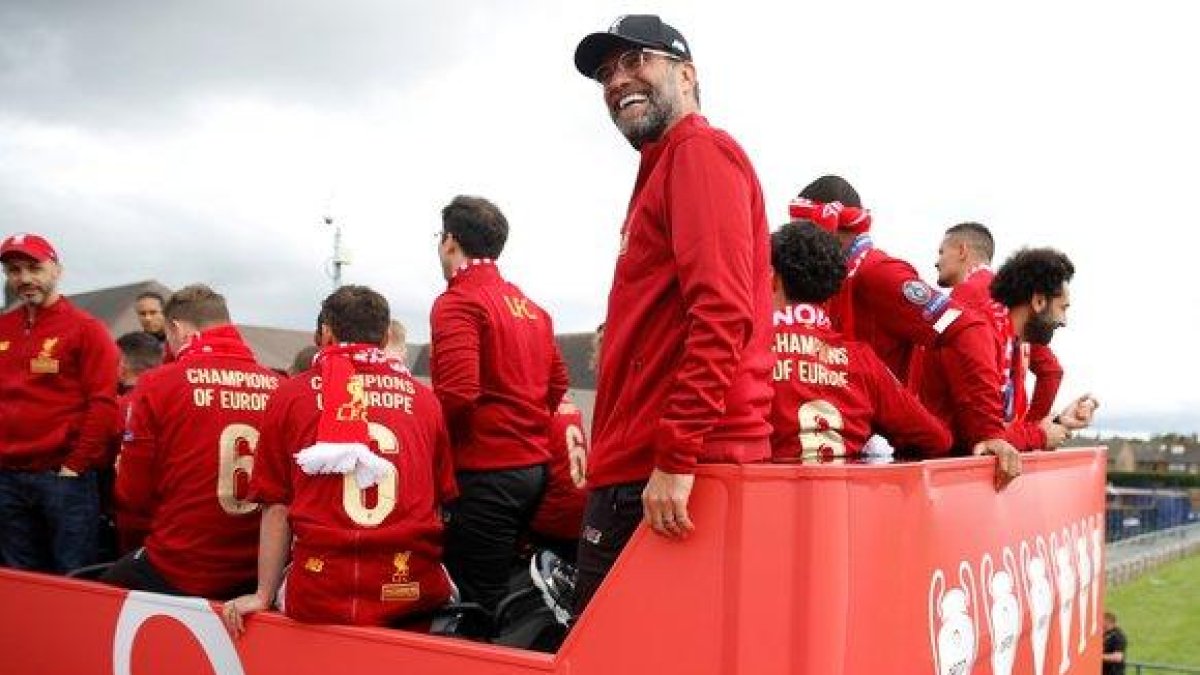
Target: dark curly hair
1030 271
808 260
827 189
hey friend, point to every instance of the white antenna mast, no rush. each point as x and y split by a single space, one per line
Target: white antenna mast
341 256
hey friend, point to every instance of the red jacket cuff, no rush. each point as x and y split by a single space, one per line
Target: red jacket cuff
672 456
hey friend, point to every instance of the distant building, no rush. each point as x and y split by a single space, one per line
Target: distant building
276 347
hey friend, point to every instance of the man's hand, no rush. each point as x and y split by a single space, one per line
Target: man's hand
578 458
234 611
1078 415
1008 461
665 501
1056 434
64 472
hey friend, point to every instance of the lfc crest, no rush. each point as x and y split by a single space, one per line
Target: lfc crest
355 410
44 362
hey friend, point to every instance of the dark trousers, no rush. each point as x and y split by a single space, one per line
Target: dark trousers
135 572
48 522
609 520
483 526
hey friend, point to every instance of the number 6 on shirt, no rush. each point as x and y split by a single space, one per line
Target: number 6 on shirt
230 463
821 430
354 500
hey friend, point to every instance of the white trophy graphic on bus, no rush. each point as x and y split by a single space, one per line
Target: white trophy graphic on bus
1084 561
1065 580
1003 610
954 622
1097 535
1040 596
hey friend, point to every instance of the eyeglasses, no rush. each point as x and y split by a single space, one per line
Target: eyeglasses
628 62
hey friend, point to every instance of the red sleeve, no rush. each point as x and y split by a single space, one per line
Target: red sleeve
899 416
904 305
712 233
271 479
973 376
445 484
100 364
1049 373
1025 436
137 470
454 356
558 376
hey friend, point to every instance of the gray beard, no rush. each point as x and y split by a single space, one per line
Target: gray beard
660 110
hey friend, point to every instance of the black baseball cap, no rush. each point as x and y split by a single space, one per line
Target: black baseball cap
632 30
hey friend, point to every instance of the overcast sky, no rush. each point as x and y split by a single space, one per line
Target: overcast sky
204 141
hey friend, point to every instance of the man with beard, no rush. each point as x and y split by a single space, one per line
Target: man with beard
964 266
149 307
831 394
885 304
58 414
1034 284
684 375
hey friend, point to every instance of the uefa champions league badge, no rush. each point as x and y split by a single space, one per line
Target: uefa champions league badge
917 292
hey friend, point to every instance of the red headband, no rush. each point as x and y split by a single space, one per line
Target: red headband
831 217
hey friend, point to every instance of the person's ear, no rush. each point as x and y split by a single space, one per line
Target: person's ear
1038 302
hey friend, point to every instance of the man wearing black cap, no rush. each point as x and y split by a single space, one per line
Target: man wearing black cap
684 376
58 414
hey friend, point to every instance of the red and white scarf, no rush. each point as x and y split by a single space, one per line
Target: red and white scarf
831 217
343 439
223 341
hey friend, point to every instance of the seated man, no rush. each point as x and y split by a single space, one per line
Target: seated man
188 453
354 462
831 394
140 352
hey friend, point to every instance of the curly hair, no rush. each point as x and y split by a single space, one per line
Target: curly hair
1030 271
827 189
808 260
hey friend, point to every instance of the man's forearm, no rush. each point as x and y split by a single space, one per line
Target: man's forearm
274 544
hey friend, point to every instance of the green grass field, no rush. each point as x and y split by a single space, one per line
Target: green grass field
1160 614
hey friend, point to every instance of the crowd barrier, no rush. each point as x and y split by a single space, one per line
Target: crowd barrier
901 568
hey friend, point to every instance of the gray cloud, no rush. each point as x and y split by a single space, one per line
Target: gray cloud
114 63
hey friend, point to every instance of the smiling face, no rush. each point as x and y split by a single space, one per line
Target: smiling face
1049 314
646 93
34 282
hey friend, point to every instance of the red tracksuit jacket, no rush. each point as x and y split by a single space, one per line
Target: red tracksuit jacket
1013 356
831 394
188 455
560 514
58 389
885 304
685 365
363 557
496 369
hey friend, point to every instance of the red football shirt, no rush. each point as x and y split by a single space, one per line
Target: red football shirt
560 514
362 557
187 457
832 394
